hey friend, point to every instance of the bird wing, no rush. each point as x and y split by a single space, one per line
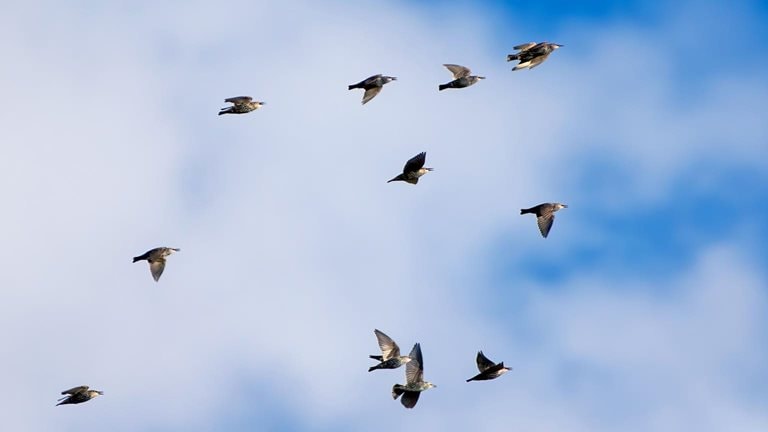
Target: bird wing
414 369
458 71
371 79
74 390
237 100
545 222
415 163
388 347
156 267
370 94
537 60
525 46
483 363
409 399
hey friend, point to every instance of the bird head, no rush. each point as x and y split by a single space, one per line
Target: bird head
389 78
429 385
94 393
559 206
555 46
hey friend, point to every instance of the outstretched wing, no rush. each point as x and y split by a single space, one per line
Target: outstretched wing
415 163
156 267
538 60
370 94
409 399
545 222
414 369
388 347
458 71
75 390
483 363
239 99
525 46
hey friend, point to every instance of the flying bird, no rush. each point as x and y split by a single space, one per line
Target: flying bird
488 369
241 105
372 86
462 77
414 380
77 395
413 169
532 54
156 259
545 215
390 357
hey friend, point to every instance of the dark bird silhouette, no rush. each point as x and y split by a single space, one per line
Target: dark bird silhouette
372 86
77 395
390 357
462 77
156 258
413 169
414 380
532 54
488 369
545 215
241 105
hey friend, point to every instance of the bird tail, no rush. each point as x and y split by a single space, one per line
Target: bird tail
443 87
352 86
376 357
138 258
512 57
397 390
224 111
373 368
525 211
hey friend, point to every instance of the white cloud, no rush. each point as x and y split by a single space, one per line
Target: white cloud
293 246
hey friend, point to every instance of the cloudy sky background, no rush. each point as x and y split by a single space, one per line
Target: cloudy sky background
645 309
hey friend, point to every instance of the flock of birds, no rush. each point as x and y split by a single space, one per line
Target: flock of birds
529 56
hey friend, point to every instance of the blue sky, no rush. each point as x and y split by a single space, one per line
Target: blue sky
645 309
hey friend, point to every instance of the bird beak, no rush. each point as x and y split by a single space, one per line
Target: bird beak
480 77
100 392
394 78
565 205
263 103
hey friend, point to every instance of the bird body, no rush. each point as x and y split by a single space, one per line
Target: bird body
545 215
156 258
413 169
372 86
414 380
77 395
390 357
488 369
532 54
462 77
241 105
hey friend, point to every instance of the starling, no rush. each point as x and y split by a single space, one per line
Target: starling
156 259
372 86
414 380
545 215
461 77
413 169
532 54
77 395
390 357
241 105
488 369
